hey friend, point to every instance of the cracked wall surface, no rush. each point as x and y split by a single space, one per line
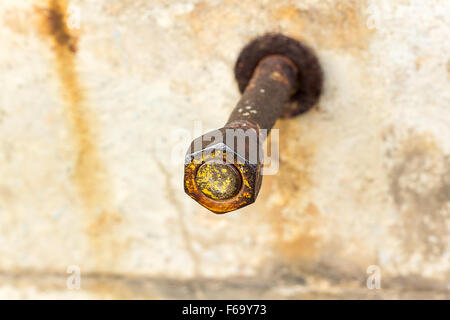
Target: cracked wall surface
95 121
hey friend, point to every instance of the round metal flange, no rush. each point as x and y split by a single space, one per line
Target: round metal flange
310 75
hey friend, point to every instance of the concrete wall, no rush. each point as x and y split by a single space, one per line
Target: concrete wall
94 123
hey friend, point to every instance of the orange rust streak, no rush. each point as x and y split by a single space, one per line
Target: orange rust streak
90 175
89 171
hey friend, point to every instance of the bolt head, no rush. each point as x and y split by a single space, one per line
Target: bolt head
224 175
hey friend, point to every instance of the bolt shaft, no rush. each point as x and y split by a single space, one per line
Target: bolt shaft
263 100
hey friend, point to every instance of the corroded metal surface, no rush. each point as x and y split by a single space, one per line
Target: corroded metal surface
218 181
218 151
271 86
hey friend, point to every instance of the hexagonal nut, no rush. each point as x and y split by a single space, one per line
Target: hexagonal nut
223 169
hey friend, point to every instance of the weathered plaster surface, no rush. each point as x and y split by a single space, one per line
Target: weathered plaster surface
94 123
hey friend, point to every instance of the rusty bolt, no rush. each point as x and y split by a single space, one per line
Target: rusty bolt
278 77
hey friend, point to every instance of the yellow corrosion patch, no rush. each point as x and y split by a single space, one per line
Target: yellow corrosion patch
218 181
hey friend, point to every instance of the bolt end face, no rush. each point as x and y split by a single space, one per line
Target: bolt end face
310 75
206 181
218 181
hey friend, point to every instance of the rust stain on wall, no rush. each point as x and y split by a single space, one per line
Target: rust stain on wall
212 25
296 239
90 175
293 218
338 25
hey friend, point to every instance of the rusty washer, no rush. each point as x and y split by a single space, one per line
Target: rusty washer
278 77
